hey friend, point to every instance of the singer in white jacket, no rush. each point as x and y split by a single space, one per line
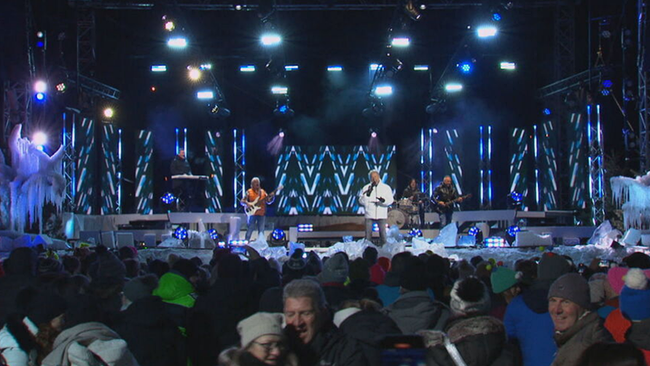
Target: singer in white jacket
376 197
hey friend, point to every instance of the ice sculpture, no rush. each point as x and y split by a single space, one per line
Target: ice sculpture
634 195
38 181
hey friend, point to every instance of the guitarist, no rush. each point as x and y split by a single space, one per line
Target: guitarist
445 194
261 198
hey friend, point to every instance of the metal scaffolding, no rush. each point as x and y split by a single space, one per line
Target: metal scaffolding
596 164
426 161
17 105
239 157
69 160
644 138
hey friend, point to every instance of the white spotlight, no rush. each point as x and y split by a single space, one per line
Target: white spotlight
205 94
374 67
247 68
271 39
177 42
40 86
453 87
291 67
279 90
194 74
158 68
486 31
334 68
401 42
169 26
109 112
383 90
421 68
39 138
508 66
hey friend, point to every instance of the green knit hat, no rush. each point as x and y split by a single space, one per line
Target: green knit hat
503 278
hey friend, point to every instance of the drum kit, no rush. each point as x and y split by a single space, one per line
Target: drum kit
405 212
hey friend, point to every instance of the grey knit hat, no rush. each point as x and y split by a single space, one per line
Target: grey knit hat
470 296
572 287
257 325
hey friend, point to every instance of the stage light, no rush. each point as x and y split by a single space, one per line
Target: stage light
516 196
40 97
334 68
485 31
177 42
513 230
373 134
496 16
205 94
607 83
271 39
473 231
40 34
453 87
411 10
375 227
205 67
421 68
383 90
507 65
40 86
434 130
168 198
374 67
278 234
219 111
109 112
291 67
546 112
170 26
247 68
61 87
465 67
180 233
281 134
305 228
279 90
496 242
415 232
153 88
194 74
158 68
214 235
238 7
39 138
400 42
283 111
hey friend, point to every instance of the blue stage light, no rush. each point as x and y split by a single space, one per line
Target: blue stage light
473 231
465 67
415 232
516 197
180 233
608 83
40 97
513 230
605 92
495 242
278 234
547 111
214 234
496 16
304 228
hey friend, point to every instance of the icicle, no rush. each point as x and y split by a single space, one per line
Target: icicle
633 196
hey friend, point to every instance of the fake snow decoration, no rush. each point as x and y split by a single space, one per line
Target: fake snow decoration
604 235
633 196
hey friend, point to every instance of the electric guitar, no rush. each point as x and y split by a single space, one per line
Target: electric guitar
447 205
254 206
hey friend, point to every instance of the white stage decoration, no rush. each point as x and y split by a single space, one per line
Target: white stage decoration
633 196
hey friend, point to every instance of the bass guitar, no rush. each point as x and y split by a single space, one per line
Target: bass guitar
448 205
254 206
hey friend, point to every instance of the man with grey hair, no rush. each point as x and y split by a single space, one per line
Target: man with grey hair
255 200
376 196
311 333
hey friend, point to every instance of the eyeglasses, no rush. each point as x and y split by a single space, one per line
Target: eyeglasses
268 347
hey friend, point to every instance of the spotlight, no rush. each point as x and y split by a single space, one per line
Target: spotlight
40 34
168 198
453 87
61 87
177 42
383 90
374 67
39 138
180 233
334 68
496 16
486 31
40 86
247 68
238 7
283 111
305 228
40 97
400 42
205 67
214 235
291 67
194 74
465 67
279 90
516 196
421 68
546 112
219 111
373 133
496 242
607 83
278 234
508 65
415 232
281 134
513 230
205 94
271 39
170 26
473 231
412 11
109 112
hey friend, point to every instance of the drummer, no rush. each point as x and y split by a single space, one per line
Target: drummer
415 196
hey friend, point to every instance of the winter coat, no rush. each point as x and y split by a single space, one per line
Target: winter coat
178 293
237 357
20 269
389 291
368 328
89 344
10 349
625 331
336 293
529 324
415 311
375 209
575 340
481 341
213 321
330 347
152 336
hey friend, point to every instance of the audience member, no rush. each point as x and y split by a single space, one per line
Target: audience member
611 354
389 291
20 271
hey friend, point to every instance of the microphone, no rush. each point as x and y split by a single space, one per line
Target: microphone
369 190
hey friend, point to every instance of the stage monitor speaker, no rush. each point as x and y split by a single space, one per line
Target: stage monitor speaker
124 239
91 237
149 240
108 239
531 239
632 237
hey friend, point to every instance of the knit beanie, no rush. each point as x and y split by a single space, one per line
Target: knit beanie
377 274
413 278
384 263
635 296
335 269
140 287
572 287
107 267
465 269
359 270
49 265
296 263
637 260
257 325
469 295
503 278
40 306
552 266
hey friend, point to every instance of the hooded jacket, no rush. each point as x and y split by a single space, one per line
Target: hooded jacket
20 269
368 328
415 311
10 348
575 340
178 293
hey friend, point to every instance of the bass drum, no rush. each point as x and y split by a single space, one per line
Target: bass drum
397 217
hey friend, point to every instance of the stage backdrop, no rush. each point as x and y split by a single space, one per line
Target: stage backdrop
326 180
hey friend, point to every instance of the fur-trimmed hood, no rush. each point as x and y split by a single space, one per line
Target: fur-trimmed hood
462 328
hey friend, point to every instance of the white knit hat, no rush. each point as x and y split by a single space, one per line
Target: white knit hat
259 324
469 295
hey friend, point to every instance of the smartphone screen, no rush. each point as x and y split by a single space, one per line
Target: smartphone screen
405 350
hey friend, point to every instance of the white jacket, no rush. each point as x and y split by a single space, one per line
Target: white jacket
11 351
374 209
